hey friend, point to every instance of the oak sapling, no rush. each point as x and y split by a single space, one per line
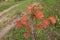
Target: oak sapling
34 13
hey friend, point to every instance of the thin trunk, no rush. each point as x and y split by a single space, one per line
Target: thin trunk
32 30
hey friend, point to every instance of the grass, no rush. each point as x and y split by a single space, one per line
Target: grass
5 5
10 16
50 7
12 13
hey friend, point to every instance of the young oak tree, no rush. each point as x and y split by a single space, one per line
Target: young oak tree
34 13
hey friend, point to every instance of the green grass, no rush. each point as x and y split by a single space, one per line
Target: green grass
11 15
13 12
5 5
50 7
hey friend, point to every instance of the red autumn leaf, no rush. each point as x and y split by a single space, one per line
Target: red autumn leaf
25 24
39 15
40 7
25 18
53 20
35 27
45 23
40 27
26 35
18 24
28 29
30 7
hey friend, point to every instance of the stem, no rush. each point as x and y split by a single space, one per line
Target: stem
33 34
32 30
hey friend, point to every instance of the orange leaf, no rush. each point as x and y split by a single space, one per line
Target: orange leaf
30 7
25 18
18 24
53 20
26 35
40 27
40 7
25 24
45 23
39 15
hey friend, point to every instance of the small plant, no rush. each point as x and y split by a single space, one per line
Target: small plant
34 13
